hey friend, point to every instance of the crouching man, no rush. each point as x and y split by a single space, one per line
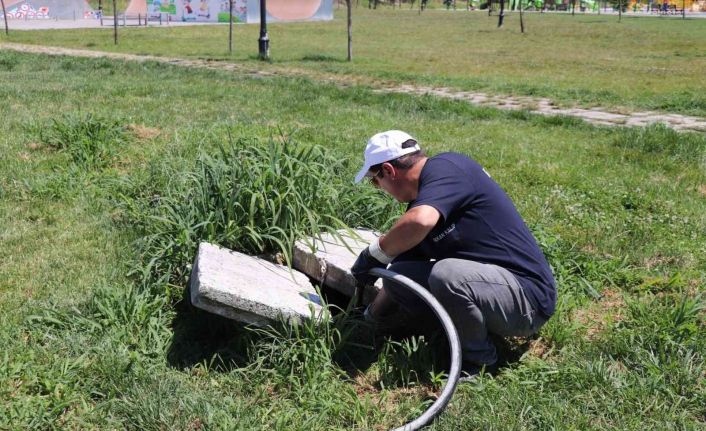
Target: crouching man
462 238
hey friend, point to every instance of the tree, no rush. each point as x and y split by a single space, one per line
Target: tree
115 23
4 15
349 19
522 21
501 16
617 4
230 26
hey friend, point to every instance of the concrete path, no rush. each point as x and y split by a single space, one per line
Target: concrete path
542 106
52 24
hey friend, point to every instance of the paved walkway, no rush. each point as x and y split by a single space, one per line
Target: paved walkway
545 106
63 24
541 106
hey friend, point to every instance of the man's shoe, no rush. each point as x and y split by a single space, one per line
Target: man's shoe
471 371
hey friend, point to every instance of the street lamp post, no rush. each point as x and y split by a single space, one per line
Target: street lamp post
263 41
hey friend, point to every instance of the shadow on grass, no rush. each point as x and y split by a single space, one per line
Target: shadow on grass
323 58
358 351
202 337
422 341
205 338
510 350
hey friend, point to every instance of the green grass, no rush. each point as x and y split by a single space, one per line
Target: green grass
620 214
589 60
251 196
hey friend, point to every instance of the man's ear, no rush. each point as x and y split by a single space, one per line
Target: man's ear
388 169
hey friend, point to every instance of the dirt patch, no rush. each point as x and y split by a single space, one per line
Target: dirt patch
539 348
702 189
595 318
694 287
658 260
195 425
144 133
589 249
365 385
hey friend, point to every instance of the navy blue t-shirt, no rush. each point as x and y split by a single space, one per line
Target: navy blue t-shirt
479 222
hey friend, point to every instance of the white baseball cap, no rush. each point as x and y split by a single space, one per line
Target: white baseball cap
384 147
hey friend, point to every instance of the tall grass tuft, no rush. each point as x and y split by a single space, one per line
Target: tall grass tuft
408 362
254 196
298 351
299 361
91 141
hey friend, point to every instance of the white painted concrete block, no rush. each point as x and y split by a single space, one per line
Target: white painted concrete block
328 260
249 289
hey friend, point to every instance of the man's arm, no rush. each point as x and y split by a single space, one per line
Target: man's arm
406 233
409 230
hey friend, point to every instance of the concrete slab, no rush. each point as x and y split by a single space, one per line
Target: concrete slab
328 260
249 289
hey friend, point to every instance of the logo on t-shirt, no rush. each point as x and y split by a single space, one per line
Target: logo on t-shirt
443 234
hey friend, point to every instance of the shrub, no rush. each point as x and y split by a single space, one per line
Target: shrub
252 196
91 141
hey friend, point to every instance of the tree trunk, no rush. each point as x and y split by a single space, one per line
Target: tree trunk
620 10
490 7
522 21
501 16
4 15
230 26
115 23
349 6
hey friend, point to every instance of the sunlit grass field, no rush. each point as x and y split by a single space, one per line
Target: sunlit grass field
589 60
111 172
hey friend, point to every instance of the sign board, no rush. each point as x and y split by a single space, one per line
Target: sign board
291 10
218 10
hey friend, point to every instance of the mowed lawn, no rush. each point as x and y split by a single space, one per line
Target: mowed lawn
586 60
95 154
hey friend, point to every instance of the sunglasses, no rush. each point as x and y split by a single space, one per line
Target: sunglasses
373 177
